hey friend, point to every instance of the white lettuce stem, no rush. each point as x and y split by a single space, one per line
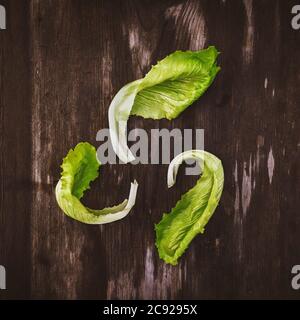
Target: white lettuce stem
178 160
118 114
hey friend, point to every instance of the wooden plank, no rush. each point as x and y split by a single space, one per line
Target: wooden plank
82 53
15 146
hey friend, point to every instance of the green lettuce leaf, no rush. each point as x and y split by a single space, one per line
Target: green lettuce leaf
79 168
167 90
192 212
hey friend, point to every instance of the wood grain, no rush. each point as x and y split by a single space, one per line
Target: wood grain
62 61
15 149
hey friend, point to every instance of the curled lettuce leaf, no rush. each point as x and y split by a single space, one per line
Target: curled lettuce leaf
79 168
192 212
167 90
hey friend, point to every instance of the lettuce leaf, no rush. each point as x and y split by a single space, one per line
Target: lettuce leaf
167 90
192 212
79 168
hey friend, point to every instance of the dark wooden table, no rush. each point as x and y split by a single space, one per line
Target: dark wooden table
62 62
